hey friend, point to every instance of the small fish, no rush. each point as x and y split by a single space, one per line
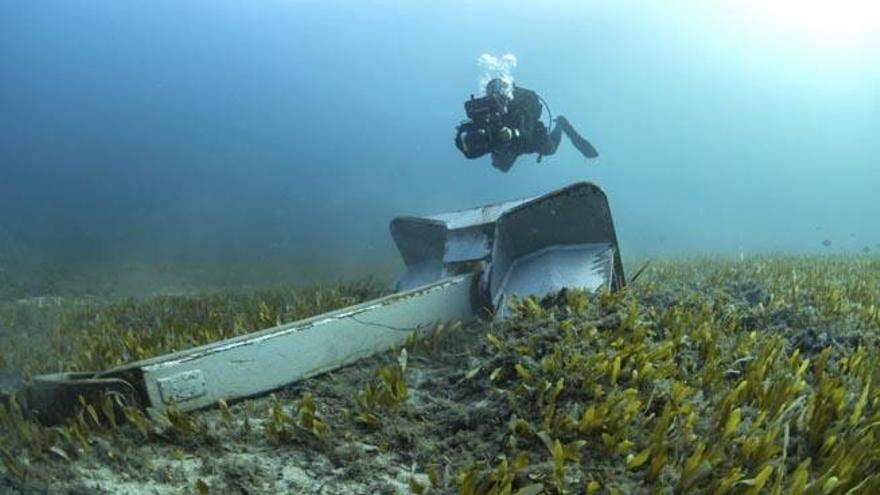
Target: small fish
866 250
826 242
852 234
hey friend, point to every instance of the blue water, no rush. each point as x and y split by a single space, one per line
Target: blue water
291 132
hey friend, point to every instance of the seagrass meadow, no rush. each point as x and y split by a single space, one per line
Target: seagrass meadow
705 375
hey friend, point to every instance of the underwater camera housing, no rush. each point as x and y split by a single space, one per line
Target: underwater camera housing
485 109
484 132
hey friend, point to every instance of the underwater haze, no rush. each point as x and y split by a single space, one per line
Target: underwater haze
277 139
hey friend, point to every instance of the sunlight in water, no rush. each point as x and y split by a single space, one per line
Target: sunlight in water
838 22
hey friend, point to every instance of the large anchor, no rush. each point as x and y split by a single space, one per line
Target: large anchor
459 266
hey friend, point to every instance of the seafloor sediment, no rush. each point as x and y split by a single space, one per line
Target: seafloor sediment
704 376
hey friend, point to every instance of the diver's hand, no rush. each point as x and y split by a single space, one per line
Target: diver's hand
505 135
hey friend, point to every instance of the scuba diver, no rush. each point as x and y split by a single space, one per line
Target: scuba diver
507 123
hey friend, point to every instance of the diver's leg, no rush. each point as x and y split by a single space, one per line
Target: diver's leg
547 141
576 139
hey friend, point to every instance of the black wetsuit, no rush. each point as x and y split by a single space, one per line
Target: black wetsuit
524 115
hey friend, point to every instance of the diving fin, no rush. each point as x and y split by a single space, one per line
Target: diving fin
577 140
583 146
